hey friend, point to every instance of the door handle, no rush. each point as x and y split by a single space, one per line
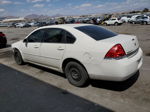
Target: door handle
60 48
36 46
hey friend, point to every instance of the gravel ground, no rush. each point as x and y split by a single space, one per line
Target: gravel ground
132 95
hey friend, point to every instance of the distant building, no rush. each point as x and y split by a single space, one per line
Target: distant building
14 20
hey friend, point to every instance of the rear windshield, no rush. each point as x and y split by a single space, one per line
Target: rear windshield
96 32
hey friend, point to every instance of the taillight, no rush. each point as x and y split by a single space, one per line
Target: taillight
116 51
2 35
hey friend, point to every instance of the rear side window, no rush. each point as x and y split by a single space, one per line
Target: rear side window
96 32
144 17
69 38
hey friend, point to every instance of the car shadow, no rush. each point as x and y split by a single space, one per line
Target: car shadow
115 86
109 85
47 70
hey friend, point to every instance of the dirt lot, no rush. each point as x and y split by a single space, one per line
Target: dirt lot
132 95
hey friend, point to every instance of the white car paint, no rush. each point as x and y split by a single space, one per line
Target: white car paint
112 21
125 18
20 25
133 18
89 52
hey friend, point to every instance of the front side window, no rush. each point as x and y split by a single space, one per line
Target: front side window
53 35
144 17
138 17
112 19
36 36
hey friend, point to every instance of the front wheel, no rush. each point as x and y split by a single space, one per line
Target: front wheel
18 57
76 74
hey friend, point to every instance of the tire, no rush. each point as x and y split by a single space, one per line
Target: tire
116 24
18 57
105 24
3 43
145 23
76 74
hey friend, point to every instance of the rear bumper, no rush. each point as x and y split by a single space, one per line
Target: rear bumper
117 70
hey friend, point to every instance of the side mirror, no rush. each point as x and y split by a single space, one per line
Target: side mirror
26 42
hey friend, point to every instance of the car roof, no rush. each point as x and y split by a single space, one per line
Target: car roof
65 26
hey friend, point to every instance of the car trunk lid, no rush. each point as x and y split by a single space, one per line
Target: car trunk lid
129 42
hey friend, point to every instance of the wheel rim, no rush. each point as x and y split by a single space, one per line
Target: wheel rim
75 74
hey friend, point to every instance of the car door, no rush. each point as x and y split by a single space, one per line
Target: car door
110 21
31 46
113 21
53 47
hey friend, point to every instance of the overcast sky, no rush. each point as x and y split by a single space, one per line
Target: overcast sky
68 7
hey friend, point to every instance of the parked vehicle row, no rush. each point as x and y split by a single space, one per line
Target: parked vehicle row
132 19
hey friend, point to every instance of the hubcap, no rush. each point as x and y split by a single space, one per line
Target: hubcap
75 74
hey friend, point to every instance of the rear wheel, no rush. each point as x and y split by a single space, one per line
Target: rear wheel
76 74
145 23
18 57
116 24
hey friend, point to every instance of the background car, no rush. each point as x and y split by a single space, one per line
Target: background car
113 21
145 20
82 52
3 40
135 19
19 25
40 24
22 25
126 18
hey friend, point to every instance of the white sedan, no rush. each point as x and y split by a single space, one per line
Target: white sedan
82 52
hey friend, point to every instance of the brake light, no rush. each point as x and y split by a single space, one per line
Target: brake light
115 52
2 35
